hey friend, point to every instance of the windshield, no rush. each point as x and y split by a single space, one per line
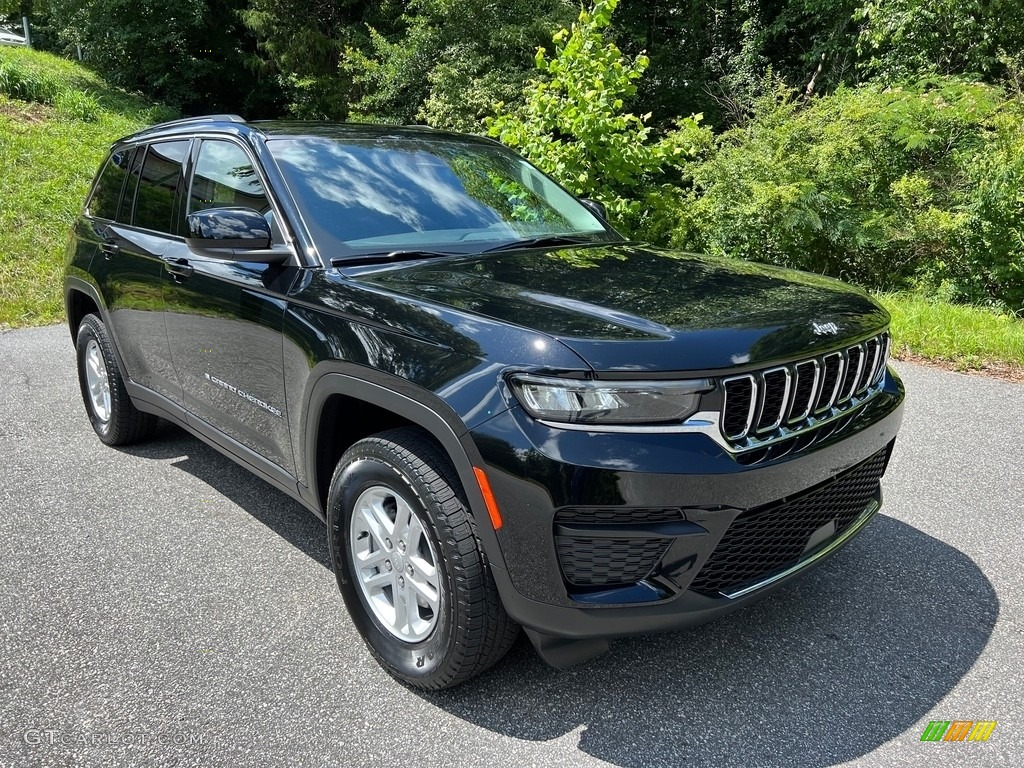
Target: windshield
393 193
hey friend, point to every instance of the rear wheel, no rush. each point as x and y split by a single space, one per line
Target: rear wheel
113 415
409 564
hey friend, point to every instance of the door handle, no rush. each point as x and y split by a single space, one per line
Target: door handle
180 268
110 250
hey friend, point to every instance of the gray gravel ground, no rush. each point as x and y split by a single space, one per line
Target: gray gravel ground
160 606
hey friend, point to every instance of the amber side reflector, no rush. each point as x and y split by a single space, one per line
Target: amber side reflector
485 489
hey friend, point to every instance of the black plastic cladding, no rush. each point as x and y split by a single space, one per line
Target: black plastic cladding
588 561
758 542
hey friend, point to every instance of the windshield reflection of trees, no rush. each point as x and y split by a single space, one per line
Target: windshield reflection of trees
360 191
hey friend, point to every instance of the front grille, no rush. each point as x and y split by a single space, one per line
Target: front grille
768 539
798 396
590 562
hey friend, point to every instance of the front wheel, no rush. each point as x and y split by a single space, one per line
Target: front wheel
409 564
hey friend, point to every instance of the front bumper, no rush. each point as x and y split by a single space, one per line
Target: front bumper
607 535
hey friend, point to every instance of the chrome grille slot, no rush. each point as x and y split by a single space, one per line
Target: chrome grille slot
854 364
871 351
774 398
883 344
738 407
804 389
830 380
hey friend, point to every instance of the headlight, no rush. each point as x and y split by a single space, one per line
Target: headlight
608 402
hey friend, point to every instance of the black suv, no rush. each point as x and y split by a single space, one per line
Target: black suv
506 413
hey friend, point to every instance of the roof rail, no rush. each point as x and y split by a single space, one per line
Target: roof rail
203 118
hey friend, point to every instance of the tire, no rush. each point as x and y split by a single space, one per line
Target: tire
383 564
113 415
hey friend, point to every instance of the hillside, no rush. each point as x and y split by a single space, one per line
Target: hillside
57 120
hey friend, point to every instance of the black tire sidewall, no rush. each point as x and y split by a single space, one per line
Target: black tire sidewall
407 660
89 330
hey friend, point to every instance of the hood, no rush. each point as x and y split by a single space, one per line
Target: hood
632 308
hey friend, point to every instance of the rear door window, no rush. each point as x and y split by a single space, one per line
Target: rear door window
161 174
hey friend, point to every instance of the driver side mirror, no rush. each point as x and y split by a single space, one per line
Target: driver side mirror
241 228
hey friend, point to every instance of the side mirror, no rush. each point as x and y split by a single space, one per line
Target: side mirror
595 208
241 228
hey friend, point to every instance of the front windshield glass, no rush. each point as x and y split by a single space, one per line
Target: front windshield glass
380 194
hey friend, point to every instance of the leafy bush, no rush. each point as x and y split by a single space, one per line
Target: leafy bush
995 206
574 125
894 188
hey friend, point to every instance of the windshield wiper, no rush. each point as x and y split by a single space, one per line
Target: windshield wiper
544 241
387 257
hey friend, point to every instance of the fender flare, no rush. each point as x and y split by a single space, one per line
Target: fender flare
425 410
74 283
81 285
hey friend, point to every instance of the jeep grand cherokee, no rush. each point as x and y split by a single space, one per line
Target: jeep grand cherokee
507 414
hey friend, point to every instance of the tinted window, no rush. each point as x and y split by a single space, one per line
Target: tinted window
225 178
158 183
383 192
124 213
107 193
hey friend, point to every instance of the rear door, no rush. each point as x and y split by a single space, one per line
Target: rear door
224 317
133 227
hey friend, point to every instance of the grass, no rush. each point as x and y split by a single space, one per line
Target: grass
57 120
964 337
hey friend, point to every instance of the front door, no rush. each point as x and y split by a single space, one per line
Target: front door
224 318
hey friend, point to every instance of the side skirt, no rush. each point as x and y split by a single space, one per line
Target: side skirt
151 402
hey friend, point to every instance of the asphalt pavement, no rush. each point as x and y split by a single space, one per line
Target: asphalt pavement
161 606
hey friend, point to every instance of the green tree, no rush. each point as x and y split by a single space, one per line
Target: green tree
187 53
446 62
574 126
905 38
300 44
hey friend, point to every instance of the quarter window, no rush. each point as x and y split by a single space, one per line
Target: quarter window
107 193
226 178
158 184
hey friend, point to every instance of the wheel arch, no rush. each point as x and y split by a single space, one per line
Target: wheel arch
333 390
80 299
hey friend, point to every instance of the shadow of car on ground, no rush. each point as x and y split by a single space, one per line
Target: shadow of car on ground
827 669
